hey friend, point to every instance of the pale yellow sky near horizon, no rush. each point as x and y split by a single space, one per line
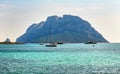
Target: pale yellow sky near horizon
17 16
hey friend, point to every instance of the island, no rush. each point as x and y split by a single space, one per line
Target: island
7 41
66 29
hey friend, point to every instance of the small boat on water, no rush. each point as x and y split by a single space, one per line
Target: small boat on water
52 44
90 42
59 42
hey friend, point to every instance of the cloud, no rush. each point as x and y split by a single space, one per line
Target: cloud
5 9
5 6
95 8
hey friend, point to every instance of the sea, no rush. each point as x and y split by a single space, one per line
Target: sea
67 58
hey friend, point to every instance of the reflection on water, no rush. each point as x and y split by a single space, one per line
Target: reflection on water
64 59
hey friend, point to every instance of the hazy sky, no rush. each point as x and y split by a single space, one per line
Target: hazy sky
17 15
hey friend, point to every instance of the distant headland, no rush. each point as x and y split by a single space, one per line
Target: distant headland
7 41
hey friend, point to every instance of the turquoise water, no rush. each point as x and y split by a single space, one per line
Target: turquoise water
64 59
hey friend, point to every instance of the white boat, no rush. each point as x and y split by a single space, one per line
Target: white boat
51 45
89 41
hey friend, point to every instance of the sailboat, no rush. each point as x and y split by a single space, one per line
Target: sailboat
90 42
60 42
51 44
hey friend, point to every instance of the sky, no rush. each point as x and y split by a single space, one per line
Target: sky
17 15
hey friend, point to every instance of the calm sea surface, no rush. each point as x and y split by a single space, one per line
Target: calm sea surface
64 59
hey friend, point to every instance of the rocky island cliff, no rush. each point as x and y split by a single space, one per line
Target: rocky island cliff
69 29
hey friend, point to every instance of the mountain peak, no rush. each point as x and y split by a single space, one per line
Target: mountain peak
55 17
70 16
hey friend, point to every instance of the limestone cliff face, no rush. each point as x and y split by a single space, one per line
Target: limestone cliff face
66 29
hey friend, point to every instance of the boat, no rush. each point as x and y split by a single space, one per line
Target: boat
51 45
90 42
59 42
